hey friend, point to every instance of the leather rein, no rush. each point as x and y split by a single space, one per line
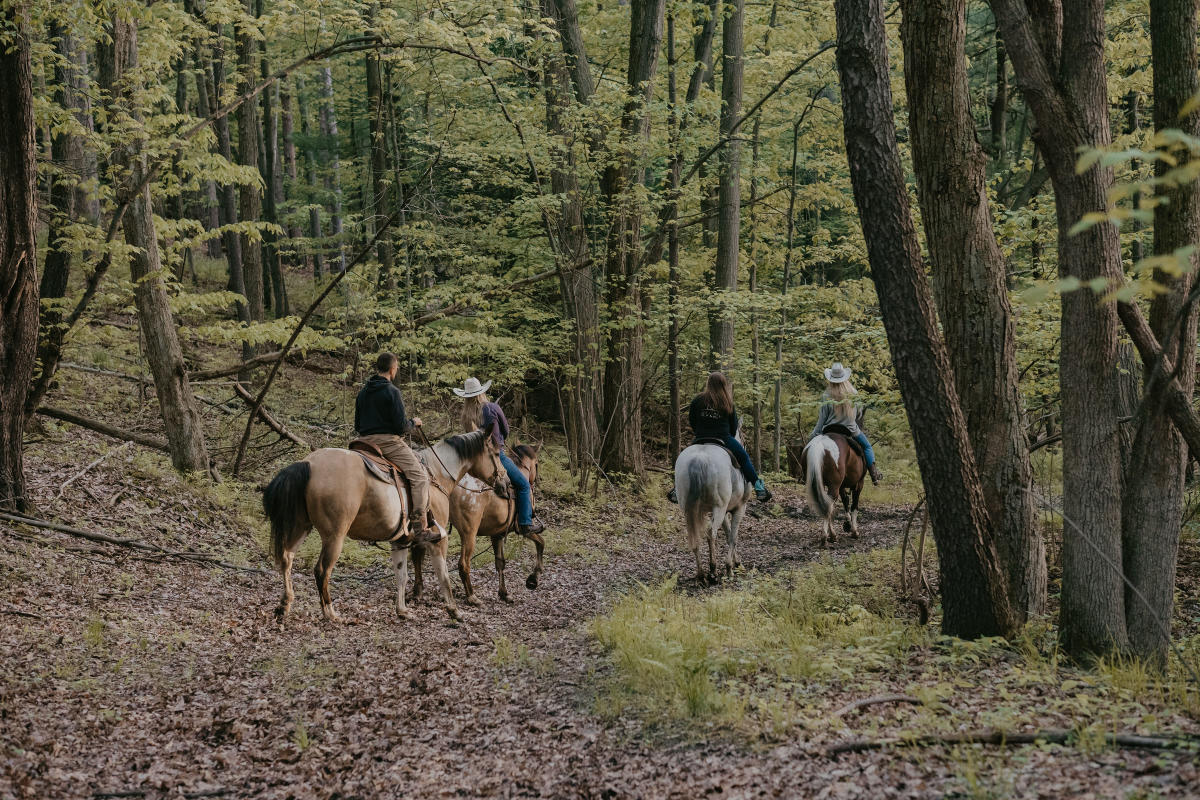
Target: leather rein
447 471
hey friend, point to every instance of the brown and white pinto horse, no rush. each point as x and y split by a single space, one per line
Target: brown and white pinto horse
475 510
332 490
833 470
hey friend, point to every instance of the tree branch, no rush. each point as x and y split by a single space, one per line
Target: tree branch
101 427
1160 376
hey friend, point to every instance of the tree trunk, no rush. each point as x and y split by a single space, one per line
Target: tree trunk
286 124
185 436
729 192
310 177
381 204
210 204
576 275
1154 493
1061 71
18 252
974 590
755 355
621 446
333 178
969 282
67 203
228 209
251 201
674 426
999 110
273 191
783 290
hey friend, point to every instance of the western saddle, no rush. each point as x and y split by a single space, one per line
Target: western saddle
380 468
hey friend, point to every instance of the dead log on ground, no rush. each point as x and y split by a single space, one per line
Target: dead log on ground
104 428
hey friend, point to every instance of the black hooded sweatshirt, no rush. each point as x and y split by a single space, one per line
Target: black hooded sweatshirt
380 409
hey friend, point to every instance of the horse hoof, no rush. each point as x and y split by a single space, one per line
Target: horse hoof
281 614
846 527
531 582
504 598
474 601
454 615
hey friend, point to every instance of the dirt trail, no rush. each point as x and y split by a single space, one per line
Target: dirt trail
138 678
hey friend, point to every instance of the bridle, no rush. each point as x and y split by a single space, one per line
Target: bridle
490 486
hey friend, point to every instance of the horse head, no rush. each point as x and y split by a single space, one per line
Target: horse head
525 456
477 454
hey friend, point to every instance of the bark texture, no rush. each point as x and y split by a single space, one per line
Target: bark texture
969 277
729 189
974 590
1061 71
18 251
621 425
1154 492
181 418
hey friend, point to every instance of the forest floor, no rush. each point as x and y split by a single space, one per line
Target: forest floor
127 673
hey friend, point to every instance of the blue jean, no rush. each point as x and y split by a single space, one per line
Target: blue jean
868 453
520 486
743 459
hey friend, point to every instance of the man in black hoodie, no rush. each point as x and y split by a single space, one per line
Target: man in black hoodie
379 418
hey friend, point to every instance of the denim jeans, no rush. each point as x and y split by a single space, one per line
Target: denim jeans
521 487
868 453
743 459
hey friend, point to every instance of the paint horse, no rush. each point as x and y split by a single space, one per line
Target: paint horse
476 510
332 490
834 468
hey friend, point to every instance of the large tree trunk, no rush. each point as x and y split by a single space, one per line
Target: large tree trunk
1061 71
974 590
1153 502
621 446
67 204
18 251
729 192
576 275
969 282
185 436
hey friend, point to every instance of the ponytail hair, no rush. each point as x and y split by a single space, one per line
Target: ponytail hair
471 417
842 395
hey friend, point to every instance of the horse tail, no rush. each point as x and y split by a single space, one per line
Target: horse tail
814 484
285 506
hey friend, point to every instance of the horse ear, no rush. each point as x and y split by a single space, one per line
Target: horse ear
489 432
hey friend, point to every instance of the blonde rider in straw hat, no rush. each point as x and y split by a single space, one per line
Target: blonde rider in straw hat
837 408
479 412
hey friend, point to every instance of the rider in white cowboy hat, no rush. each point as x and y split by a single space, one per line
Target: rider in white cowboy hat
479 412
837 408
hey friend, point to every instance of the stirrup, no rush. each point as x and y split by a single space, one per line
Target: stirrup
673 496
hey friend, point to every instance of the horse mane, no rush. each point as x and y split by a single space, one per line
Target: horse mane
467 446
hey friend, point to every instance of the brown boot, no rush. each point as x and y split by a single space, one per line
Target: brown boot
875 476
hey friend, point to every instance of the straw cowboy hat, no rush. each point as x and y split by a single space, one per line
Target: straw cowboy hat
472 387
835 374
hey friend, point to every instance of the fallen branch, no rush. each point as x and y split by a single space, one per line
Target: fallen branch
101 427
1007 739
124 376
88 468
133 544
271 422
225 372
877 700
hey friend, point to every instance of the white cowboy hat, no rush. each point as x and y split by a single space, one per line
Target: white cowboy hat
837 373
472 387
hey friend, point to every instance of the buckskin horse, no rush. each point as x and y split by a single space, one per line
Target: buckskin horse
333 490
834 468
709 481
476 510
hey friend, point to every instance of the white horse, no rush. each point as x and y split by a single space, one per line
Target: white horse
709 482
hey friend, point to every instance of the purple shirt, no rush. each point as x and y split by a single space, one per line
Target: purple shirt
492 412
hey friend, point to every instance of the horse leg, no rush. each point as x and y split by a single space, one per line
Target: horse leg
467 539
539 544
718 520
400 564
848 524
330 550
498 552
418 559
285 603
443 575
733 521
854 511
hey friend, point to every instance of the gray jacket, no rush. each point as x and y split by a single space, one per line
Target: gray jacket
830 415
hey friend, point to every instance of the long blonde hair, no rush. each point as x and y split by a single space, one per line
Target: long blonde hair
842 395
471 417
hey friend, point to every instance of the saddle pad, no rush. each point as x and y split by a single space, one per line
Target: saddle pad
719 443
842 430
